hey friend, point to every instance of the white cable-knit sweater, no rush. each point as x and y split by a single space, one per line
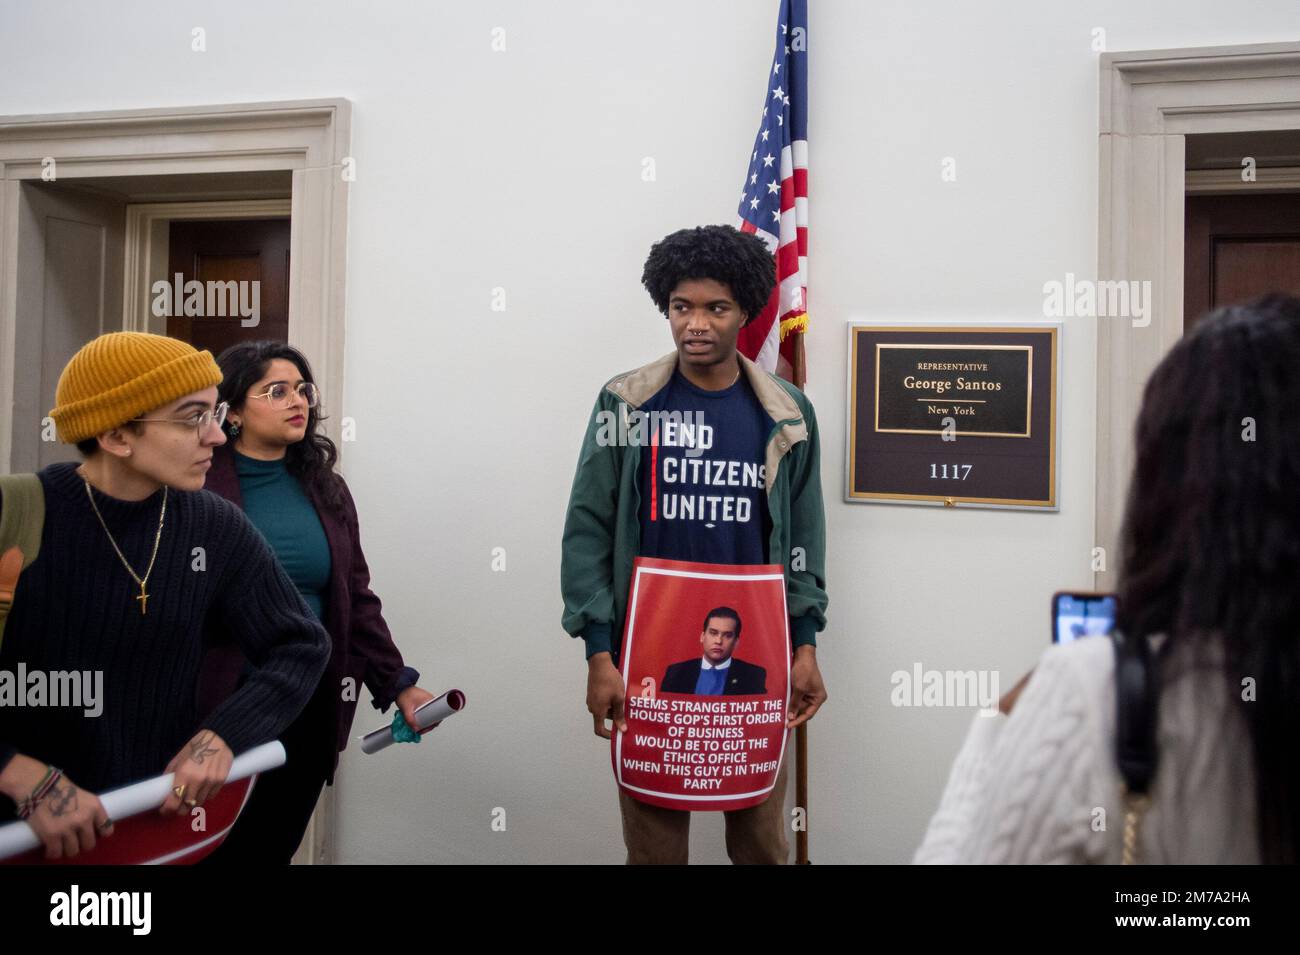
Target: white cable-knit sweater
1042 786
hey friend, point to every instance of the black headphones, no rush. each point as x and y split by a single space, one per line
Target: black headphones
1136 694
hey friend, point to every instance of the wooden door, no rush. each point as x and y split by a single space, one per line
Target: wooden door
216 252
1238 247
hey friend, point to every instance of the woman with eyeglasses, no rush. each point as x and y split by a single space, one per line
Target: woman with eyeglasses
280 470
116 590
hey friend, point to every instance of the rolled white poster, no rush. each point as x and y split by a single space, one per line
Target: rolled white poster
428 716
148 794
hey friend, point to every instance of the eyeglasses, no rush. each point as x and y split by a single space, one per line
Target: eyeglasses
200 421
279 397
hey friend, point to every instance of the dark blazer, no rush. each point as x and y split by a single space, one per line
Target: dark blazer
363 648
742 678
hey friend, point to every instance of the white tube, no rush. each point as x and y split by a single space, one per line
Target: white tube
428 716
17 837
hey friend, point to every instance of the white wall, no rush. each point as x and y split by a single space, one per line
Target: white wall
522 170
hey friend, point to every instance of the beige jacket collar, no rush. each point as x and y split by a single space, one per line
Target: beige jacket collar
639 386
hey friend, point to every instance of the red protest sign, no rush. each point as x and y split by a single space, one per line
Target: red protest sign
706 663
148 838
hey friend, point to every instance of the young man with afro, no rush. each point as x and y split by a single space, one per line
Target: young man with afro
708 281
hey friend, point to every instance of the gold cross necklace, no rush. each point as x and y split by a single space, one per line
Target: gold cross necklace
144 594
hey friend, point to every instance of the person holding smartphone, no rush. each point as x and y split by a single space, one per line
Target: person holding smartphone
1211 549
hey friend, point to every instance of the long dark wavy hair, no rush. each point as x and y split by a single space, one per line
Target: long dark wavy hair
310 460
1211 541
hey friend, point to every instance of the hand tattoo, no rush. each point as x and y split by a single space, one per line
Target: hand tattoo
199 748
61 800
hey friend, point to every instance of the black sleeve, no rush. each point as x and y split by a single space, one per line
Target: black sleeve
265 614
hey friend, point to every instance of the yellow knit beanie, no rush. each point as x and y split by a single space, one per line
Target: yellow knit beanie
120 376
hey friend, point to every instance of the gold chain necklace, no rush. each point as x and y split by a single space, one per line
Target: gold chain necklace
144 594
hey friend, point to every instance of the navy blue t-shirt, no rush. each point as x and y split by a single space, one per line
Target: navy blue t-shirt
702 476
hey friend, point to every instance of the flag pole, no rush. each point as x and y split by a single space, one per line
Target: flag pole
798 363
798 369
777 209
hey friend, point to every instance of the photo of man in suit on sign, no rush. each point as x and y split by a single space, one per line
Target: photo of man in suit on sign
717 672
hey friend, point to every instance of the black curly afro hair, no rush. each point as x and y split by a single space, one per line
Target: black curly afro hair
739 260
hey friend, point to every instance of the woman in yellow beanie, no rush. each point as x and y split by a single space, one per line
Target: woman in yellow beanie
135 563
115 383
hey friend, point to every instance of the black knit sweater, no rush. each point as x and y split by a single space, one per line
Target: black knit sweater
75 609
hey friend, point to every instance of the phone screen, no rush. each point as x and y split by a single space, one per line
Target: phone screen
1077 615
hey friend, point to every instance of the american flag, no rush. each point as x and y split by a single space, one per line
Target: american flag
774 204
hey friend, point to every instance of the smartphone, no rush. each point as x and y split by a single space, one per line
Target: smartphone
1077 614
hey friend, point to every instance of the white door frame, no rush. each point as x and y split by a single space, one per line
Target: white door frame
310 138
1150 101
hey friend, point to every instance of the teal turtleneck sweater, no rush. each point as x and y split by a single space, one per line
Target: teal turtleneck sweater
278 506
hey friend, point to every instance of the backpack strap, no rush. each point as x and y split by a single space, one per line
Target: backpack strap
1136 695
22 518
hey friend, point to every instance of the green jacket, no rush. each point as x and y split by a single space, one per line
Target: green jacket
602 533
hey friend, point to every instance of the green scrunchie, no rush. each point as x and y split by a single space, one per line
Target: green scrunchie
402 732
